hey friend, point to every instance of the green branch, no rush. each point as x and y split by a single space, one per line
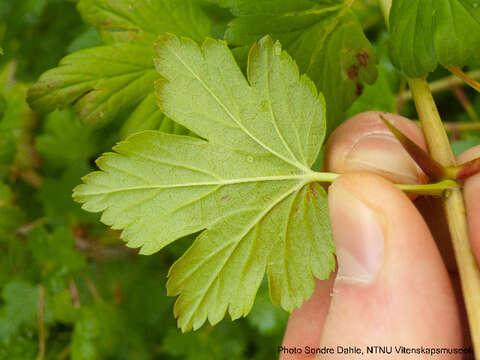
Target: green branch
442 84
464 77
453 203
435 189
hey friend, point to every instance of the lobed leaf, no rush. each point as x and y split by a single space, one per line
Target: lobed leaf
248 186
144 20
323 36
100 82
426 33
106 81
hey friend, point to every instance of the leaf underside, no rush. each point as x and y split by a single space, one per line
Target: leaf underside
426 33
247 186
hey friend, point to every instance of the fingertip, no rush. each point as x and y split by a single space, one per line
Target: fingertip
392 284
364 143
469 154
305 324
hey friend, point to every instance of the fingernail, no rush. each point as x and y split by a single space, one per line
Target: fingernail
358 234
384 155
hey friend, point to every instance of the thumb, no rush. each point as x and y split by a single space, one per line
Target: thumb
392 287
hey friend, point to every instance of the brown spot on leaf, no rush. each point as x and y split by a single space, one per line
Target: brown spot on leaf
352 71
267 199
226 198
295 212
313 190
363 58
359 89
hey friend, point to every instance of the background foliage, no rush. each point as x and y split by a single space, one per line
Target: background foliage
68 287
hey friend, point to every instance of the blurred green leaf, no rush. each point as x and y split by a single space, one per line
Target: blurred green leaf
104 81
323 36
265 317
20 307
65 139
428 33
55 251
55 195
36 33
219 343
143 20
147 116
11 217
15 126
460 146
88 38
101 333
20 347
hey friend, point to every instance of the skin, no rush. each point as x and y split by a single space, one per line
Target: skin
392 286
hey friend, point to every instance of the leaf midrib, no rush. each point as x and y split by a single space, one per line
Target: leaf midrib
308 177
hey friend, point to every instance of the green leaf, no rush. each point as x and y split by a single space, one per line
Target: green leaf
55 251
100 332
19 348
20 307
106 81
219 343
382 94
15 125
323 36
148 116
460 146
11 216
267 319
55 194
88 38
248 185
65 139
426 33
102 82
144 20
3 106
86 337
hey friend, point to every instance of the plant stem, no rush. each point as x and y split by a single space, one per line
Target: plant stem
465 102
453 203
464 77
432 125
458 126
442 84
435 189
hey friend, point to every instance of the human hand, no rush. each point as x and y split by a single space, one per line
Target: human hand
392 287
